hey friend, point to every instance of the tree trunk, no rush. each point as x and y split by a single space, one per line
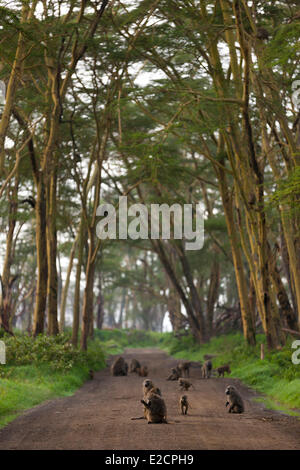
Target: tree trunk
76 308
42 265
52 256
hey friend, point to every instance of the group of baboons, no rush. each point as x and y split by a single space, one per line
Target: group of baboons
120 367
155 410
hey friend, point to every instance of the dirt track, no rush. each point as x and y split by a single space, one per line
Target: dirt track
98 417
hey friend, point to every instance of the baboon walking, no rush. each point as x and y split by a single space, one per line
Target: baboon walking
184 384
234 399
184 404
221 370
119 367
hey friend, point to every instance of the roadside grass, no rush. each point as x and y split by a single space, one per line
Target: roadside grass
42 369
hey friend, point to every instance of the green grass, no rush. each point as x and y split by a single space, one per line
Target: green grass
42 369
27 386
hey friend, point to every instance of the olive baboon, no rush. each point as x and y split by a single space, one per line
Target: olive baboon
234 399
206 369
91 374
184 384
174 375
148 390
221 370
147 385
134 365
154 390
184 404
184 369
142 371
119 367
155 409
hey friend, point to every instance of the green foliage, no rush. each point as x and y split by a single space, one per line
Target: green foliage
288 191
56 351
119 339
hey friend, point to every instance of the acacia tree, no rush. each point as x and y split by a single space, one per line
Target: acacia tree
201 31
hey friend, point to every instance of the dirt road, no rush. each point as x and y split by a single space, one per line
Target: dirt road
98 416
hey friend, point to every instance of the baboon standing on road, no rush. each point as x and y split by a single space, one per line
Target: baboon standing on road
184 369
184 404
221 370
206 369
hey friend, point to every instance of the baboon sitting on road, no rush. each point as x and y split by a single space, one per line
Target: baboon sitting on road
155 409
234 399
142 371
147 385
119 367
174 375
134 365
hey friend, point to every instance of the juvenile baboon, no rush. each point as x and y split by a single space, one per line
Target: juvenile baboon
119 367
174 375
134 365
184 404
234 399
184 369
143 371
153 390
221 370
155 409
147 385
184 384
206 369
91 374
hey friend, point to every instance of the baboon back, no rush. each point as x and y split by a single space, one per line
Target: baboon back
119 367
